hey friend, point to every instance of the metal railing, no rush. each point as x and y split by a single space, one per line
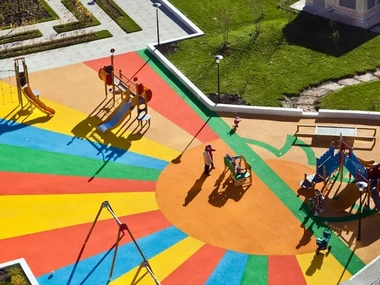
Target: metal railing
376 282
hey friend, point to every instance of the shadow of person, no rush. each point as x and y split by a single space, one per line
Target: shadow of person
306 237
195 189
316 264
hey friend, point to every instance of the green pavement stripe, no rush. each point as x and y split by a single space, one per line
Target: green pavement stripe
71 165
289 143
311 159
262 170
256 270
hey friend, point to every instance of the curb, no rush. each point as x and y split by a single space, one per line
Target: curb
255 110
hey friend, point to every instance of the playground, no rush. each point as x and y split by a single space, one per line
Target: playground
103 174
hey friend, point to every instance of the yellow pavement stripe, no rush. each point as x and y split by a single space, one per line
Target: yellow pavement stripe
164 263
26 214
71 122
8 92
320 269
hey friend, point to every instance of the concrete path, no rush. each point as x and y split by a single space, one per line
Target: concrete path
142 13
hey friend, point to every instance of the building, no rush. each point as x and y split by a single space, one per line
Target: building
361 13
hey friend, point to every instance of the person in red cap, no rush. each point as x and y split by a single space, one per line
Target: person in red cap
236 122
209 149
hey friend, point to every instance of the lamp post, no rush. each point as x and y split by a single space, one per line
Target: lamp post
362 187
218 58
157 6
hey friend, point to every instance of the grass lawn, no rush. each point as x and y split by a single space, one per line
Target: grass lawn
364 97
18 13
282 60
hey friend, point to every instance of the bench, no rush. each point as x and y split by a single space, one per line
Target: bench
335 131
144 118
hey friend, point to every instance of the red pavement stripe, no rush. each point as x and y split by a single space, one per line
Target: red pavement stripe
198 268
165 100
15 183
50 250
284 270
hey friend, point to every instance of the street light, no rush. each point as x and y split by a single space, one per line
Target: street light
218 58
362 187
157 6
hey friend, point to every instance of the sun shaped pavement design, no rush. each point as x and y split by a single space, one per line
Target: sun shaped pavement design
57 171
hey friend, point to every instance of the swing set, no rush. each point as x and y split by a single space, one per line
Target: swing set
120 233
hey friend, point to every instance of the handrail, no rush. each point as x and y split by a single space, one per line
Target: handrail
376 282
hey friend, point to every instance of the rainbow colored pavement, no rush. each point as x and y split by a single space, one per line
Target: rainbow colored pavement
56 173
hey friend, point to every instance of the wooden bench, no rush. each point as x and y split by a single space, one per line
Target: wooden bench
335 131
143 119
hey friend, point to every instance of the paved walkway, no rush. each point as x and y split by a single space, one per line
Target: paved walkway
142 13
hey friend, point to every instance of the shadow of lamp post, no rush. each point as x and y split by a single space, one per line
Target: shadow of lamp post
218 58
157 6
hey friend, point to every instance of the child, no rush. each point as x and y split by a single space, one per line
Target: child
319 197
236 122
207 160
209 149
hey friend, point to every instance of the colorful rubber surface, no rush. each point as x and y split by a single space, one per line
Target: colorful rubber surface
56 172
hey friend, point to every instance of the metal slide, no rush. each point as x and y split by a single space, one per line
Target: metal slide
28 93
117 117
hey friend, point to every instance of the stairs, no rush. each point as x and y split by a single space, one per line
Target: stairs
368 275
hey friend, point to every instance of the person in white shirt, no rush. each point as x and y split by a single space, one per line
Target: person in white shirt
208 161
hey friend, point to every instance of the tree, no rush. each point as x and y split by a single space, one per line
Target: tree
258 15
225 24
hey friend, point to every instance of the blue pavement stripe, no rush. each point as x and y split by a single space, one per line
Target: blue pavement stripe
230 269
95 270
32 137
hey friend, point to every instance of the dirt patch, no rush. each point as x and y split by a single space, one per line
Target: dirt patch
228 99
308 100
111 7
21 12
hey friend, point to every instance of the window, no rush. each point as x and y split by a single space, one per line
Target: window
348 3
371 4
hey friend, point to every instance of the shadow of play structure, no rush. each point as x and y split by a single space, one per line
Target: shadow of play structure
23 88
333 161
133 95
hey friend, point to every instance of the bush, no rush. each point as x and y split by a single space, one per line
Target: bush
119 16
54 44
85 18
20 37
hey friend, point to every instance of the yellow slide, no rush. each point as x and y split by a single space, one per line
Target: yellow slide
350 196
367 163
28 93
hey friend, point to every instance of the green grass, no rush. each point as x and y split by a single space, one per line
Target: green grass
282 60
119 16
85 18
20 37
54 44
32 12
13 275
53 15
364 97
